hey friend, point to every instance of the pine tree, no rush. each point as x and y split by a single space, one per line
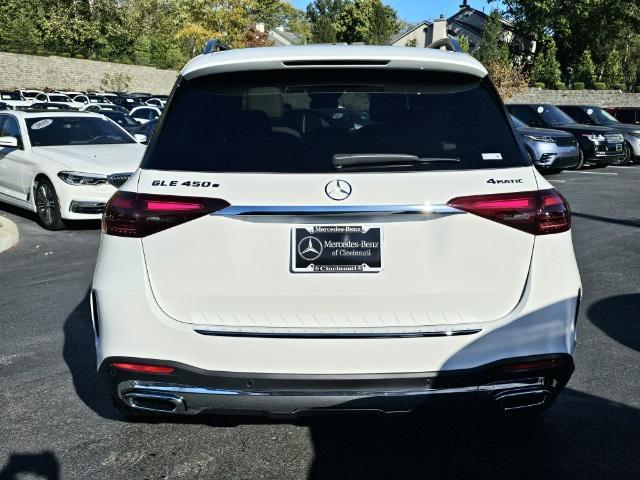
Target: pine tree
492 49
323 30
612 72
546 67
585 70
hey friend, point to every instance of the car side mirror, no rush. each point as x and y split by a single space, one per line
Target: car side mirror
140 138
11 142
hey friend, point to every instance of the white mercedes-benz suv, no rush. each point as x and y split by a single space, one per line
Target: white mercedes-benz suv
334 228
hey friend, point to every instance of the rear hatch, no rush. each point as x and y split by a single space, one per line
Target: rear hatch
335 217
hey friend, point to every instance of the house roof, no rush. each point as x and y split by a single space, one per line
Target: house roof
424 23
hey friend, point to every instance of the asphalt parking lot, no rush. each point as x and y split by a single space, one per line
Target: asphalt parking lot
56 422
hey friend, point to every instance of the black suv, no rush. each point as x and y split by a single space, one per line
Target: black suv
594 115
599 146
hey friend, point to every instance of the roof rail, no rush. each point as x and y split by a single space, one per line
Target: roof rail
214 45
448 43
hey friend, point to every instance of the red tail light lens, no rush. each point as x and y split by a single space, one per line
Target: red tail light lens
534 365
539 212
142 368
137 215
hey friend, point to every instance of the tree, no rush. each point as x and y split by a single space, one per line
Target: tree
546 68
463 41
612 69
585 69
323 30
491 48
383 24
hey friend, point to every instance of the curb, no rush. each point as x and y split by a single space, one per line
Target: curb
8 234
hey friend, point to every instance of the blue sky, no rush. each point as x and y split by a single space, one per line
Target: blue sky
415 10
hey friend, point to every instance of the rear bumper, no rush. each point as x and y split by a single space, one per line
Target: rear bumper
189 390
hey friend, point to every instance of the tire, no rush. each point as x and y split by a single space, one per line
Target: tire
626 160
47 205
580 163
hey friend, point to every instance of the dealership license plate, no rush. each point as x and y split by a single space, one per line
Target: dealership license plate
336 249
619 147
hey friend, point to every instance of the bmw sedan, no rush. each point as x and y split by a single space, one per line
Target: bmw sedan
63 165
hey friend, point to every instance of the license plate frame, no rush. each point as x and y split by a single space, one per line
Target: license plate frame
351 249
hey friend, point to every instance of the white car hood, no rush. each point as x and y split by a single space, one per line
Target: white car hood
103 159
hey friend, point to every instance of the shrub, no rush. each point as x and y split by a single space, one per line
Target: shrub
638 89
79 56
539 85
619 86
578 86
127 61
559 86
65 54
103 59
600 86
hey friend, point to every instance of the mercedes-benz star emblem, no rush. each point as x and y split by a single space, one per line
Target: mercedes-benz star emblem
310 248
338 189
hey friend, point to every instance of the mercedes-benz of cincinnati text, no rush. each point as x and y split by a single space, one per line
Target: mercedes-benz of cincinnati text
341 228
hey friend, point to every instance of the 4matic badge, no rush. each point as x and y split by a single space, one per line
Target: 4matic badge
508 180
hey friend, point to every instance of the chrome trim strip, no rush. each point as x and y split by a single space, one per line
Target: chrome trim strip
335 334
319 210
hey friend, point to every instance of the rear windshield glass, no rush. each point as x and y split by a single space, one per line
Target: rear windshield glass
44 132
302 121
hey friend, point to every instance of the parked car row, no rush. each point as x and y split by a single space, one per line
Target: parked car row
572 136
25 98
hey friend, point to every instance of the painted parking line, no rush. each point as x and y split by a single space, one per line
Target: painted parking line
557 181
597 173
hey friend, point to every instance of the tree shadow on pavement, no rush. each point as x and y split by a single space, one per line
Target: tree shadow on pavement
43 465
619 317
581 437
80 355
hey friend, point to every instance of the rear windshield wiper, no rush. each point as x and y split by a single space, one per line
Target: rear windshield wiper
342 160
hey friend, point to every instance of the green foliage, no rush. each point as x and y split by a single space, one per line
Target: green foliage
585 69
600 86
323 30
411 43
637 89
546 67
463 41
619 86
539 84
491 48
578 86
612 68
559 86
364 21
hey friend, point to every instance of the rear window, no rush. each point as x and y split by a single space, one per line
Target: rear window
305 121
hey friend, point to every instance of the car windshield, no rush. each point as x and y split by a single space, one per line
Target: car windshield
59 98
55 130
10 96
121 119
599 116
303 120
553 115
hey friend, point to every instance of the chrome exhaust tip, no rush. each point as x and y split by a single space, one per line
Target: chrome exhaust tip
155 402
521 399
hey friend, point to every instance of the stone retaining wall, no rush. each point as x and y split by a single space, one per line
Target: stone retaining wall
602 98
38 72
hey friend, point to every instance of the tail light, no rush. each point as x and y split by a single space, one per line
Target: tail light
137 215
534 365
142 368
539 212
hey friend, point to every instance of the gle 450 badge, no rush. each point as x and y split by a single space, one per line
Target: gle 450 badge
336 249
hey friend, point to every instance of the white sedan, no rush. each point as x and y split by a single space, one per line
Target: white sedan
146 114
63 165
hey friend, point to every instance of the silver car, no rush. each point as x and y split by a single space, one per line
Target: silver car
550 150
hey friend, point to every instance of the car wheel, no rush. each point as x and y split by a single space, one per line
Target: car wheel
580 163
47 206
626 159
